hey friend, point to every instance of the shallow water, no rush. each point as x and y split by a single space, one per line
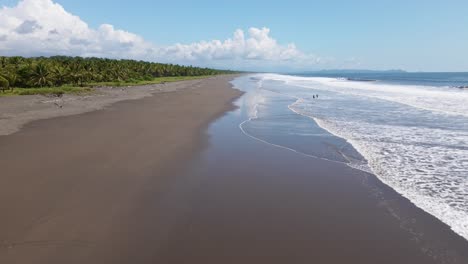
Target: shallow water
413 137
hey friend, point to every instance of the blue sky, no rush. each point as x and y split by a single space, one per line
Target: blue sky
412 35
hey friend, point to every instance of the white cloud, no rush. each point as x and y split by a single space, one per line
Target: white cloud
42 27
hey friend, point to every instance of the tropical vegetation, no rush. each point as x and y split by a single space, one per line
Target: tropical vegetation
42 73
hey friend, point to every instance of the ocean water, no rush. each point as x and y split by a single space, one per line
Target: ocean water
410 130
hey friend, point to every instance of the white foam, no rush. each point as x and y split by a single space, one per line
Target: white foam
445 100
427 163
251 103
434 178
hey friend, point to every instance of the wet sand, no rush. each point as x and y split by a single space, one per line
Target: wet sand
140 182
244 201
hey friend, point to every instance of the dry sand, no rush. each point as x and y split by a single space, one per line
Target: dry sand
71 187
18 110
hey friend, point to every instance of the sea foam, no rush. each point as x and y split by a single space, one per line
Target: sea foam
414 138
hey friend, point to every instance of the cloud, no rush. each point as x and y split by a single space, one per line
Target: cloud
28 26
42 27
258 45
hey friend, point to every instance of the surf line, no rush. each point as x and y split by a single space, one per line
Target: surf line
255 116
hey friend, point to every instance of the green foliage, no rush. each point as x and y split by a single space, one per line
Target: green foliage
48 91
145 81
61 71
4 84
41 76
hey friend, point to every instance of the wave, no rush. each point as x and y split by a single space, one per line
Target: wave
253 115
438 190
414 138
443 100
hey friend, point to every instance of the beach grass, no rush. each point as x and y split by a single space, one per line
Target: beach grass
89 87
147 82
47 91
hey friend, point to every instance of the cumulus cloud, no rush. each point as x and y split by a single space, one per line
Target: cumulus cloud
42 27
28 26
259 45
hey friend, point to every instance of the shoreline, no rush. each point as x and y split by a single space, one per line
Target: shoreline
420 203
171 178
377 179
71 186
375 175
452 215
249 201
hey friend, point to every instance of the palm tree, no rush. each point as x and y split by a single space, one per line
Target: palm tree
12 78
119 72
61 70
60 75
3 62
4 84
75 71
41 76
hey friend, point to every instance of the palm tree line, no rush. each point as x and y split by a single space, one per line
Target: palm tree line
60 70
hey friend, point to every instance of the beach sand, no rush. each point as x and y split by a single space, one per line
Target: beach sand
19 110
244 201
141 181
75 189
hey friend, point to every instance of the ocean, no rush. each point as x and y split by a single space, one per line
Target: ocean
409 129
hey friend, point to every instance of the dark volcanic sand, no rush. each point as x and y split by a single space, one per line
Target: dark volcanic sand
123 185
84 188
243 201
